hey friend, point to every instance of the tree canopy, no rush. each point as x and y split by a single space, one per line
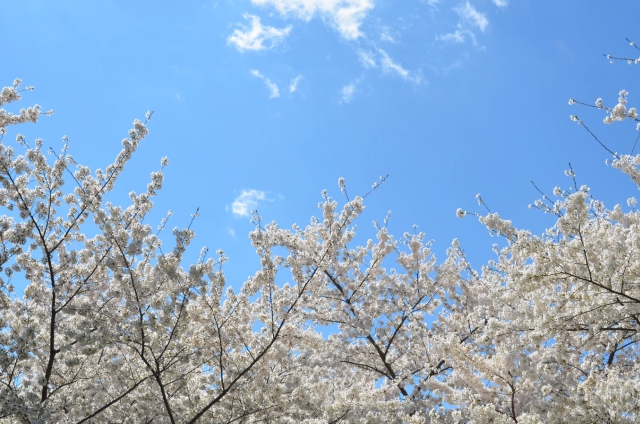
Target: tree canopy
112 328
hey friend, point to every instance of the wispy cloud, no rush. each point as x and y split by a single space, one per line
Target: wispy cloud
445 70
469 13
389 66
385 35
454 65
246 202
459 36
469 18
367 58
345 15
347 92
294 84
258 36
273 88
373 59
501 3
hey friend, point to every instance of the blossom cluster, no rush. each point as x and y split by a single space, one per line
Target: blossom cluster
619 112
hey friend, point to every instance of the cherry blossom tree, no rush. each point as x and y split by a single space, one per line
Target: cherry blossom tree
551 326
114 327
110 328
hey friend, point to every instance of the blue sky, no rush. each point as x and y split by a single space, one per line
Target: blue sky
264 103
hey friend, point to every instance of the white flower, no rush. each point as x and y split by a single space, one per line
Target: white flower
619 112
460 213
342 184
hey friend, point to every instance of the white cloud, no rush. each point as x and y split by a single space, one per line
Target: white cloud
370 59
454 65
246 202
273 88
468 13
385 35
294 84
388 65
345 15
445 70
367 59
231 232
459 36
347 92
257 36
501 3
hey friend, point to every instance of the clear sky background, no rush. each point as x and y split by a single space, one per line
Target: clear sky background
264 103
